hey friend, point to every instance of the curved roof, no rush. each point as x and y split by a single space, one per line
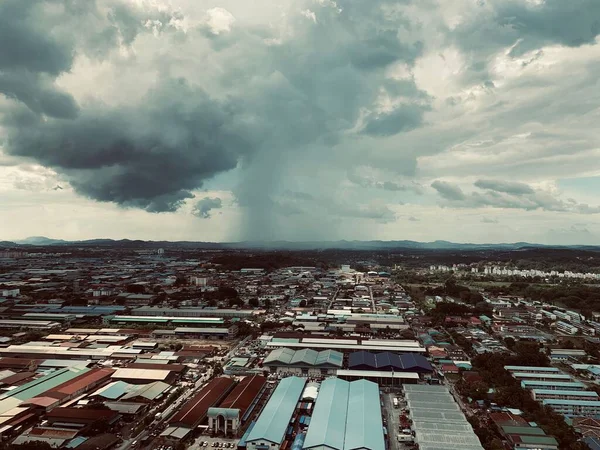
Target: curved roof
328 423
364 428
276 415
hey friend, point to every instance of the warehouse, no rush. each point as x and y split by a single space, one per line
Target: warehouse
76 418
532 369
380 377
142 376
80 384
29 324
207 333
195 312
304 362
542 376
272 424
46 383
164 320
437 421
387 361
345 345
233 411
541 394
347 415
561 385
194 411
574 408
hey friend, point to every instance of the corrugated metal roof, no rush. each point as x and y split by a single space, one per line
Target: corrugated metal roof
149 391
275 417
141 374
364 428
328 424
46 382
306 357
114 390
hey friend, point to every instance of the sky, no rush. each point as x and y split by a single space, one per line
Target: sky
227 120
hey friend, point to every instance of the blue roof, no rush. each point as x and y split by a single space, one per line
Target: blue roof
347 416
562 392
275 417
532 368
329 416
389 361
561 384
556 401
364 428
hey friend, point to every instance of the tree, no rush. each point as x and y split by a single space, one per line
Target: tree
302 304
267 303
510 343
253 302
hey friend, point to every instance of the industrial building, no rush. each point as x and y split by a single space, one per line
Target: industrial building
304 362
271 426
195 410
437 421
532 369
195 312
387 361
541 394
347 415
542 376
574 408
164 320
382 378
142 376
234 410
561 385
345 345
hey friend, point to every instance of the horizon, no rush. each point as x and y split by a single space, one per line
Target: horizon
301 120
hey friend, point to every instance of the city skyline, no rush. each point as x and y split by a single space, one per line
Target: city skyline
308 120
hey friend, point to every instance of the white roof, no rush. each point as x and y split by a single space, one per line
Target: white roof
141 374
377 374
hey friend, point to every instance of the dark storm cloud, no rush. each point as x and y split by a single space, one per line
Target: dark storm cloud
149 157
508 187
448 191
203 207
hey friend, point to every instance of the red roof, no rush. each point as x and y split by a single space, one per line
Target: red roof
19 363
244 393
503 419
17 378
449 368
85 381
194 411
80 415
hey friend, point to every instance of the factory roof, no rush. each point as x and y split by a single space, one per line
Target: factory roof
328 423
114 390
531 369
81 382
150 391
304 357
556 401
563 384
45 383
553 376
364 428
347 347
275 417
195 409
141 374
590 394
242 396
377 374
389 361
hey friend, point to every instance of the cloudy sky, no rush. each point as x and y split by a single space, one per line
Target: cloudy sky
221 120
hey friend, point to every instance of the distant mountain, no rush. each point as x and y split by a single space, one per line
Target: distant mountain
290 245
40 240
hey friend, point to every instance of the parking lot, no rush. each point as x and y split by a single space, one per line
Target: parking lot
216 442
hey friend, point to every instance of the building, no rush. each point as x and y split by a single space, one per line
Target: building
207 333
542 376
566 354
347 415
389 362
565 327
560 385
194 411
437 421
236 407
574 408
532 369
346 345
542 394
382 378
195 312
142 376
304 362
270 429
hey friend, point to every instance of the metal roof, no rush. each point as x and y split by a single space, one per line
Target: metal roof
114 390
306 357
141 374
377 374
149 391
328 423
276 415
528 384
46 383
558 392
364 346
389 361
531 369
556 401
364 428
